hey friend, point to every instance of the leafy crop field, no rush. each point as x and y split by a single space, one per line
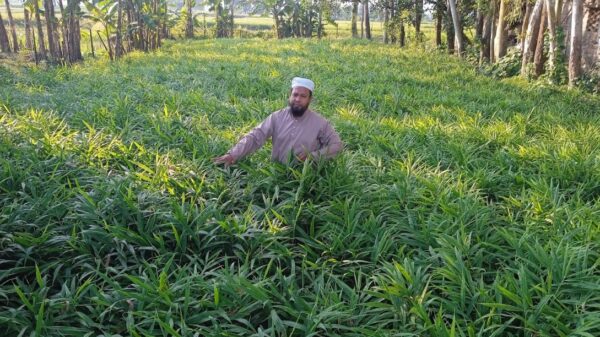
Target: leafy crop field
461 205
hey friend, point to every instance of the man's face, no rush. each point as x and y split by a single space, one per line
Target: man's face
300 98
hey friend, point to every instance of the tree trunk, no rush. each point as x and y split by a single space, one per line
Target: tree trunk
159 22
28 32
362 22
64 43
402 35
531 36
189 22
386 22
484 55
354 19
278 30
575 43
500 40
479 22
75 31
449 32
4 43
367 20
49 13
166 32
320 25
308 26
73 35
438 27
392 32
231 18
92 43
525 25
492 32
538 59
13 30
109 46
418 18
118 43
458 33
35 54
40 30
552 50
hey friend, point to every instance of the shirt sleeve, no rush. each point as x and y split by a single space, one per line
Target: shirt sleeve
330 143
254 140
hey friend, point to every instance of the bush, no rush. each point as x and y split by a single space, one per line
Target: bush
590 81
509 65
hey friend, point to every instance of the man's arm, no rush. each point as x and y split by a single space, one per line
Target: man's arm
251 142
330 141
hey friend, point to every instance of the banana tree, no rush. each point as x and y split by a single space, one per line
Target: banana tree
103 12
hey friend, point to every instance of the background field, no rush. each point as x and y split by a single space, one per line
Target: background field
245 27
461 206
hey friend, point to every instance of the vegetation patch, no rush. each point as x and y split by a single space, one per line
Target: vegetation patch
461 205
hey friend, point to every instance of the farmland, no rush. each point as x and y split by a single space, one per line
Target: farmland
460 206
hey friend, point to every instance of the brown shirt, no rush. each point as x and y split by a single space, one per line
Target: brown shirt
291 137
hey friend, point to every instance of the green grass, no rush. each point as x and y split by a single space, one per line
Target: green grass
461 206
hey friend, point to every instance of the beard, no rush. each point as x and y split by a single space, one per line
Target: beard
297 110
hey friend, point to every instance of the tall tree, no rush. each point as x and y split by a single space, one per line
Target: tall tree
479 21
418 17
525 25
449 29
4 43
13 30
552 50
28 30
354 19
485 52
118 40
458 33
531 36
439 16
50 29
362 21
367 20
538 59
575 43
63 25
74 30
189 22
320 21
386 23
40 31
500 39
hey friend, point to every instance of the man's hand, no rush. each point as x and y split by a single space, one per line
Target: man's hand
302 156
226 159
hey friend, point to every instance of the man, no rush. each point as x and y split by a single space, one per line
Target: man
296 131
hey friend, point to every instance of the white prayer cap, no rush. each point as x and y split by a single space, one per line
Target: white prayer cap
303 82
